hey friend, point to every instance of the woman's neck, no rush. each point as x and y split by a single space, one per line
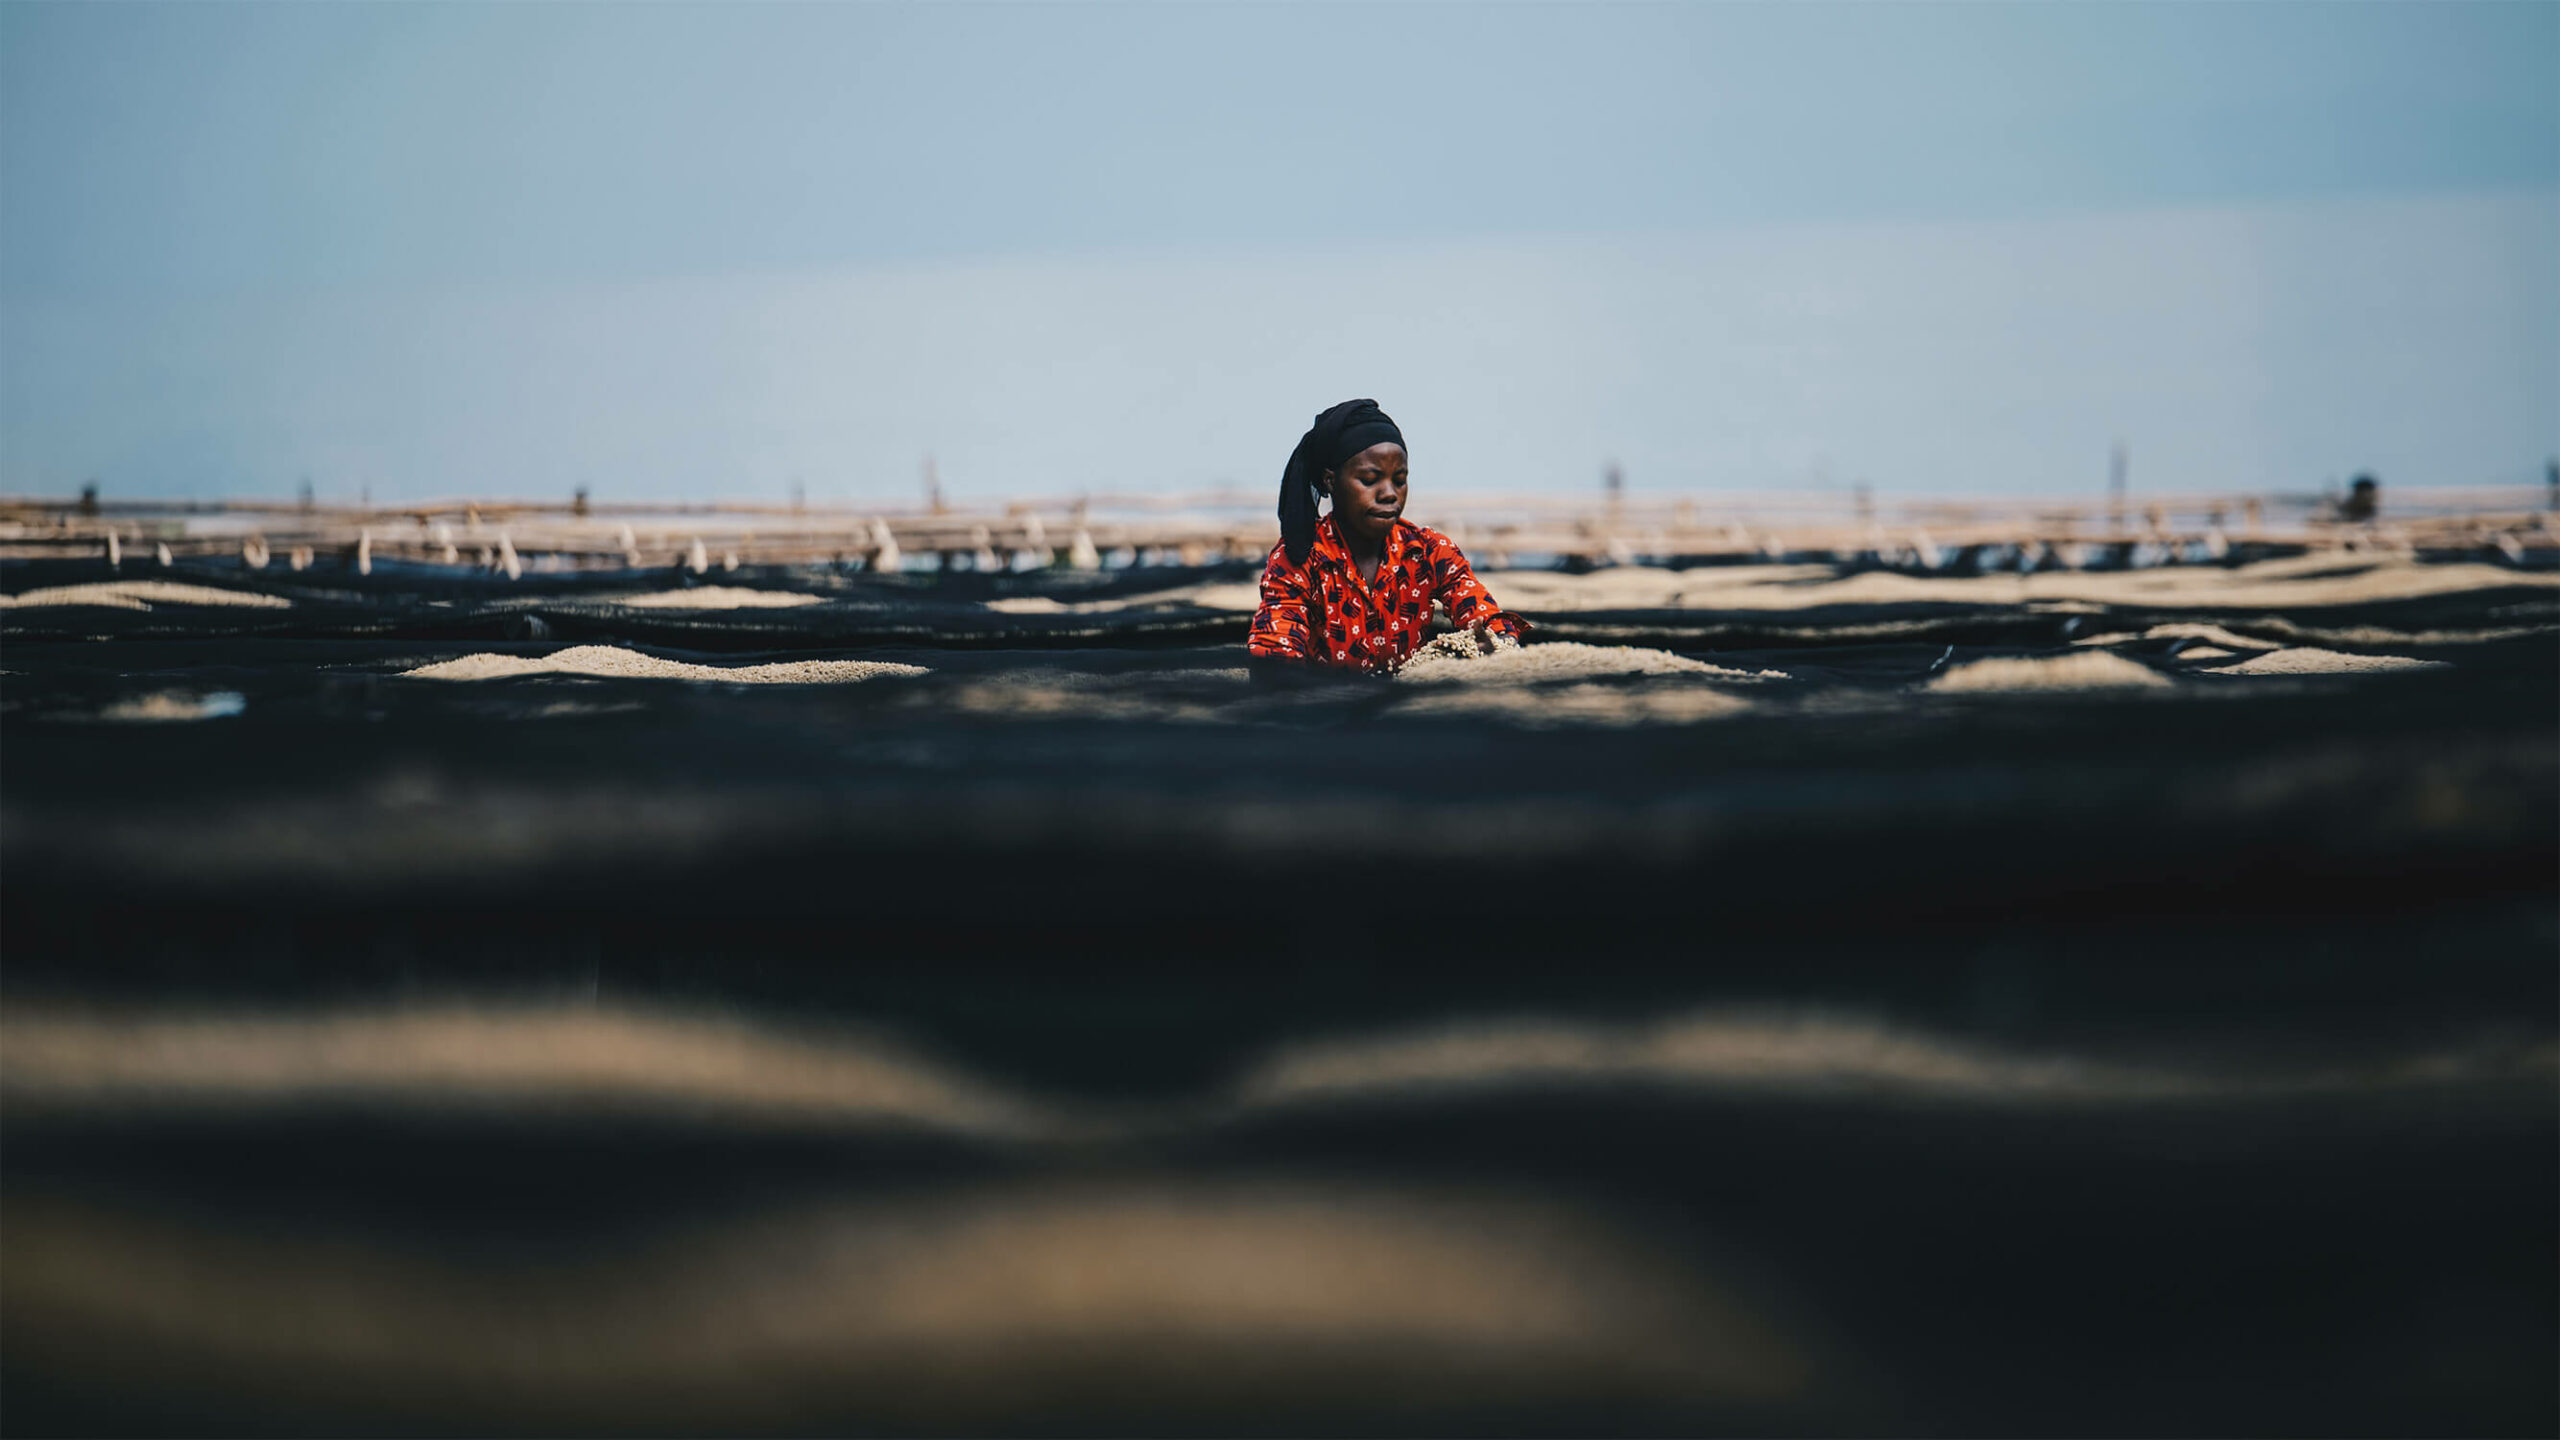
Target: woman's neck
1366 554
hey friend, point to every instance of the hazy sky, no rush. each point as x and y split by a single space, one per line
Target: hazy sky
675 249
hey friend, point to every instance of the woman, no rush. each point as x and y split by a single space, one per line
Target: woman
1354 591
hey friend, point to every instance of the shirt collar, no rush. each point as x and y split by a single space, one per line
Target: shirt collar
1329 542
1329 539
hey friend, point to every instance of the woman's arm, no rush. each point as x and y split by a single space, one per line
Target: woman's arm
1280 624
1455 587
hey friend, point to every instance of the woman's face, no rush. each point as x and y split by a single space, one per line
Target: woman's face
1368 492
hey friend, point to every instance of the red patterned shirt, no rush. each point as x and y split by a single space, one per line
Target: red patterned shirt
1324 612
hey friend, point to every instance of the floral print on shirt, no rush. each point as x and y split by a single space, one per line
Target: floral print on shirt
1323 612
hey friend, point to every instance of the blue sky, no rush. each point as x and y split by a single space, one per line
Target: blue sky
680 249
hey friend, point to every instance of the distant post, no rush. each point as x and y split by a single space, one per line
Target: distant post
2118 468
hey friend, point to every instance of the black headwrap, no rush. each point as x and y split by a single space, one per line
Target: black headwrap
1338 434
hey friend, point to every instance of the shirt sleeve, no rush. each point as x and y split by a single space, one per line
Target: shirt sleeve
1455 587
1280 622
